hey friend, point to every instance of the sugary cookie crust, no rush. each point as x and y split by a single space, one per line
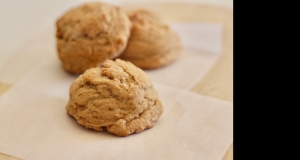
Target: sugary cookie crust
119 98
152 44
90 34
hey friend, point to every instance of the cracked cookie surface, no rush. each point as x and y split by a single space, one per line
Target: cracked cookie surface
118 97
90 34
151 44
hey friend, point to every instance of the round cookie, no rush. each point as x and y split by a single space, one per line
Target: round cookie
90 34
151 44
118 97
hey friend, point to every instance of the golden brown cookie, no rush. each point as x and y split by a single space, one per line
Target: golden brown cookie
90 34
118 97
151 44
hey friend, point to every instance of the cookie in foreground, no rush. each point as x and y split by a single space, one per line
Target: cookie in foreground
90 34
118 97
152 44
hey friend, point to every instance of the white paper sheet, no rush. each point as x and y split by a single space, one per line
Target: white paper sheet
34 125
201 37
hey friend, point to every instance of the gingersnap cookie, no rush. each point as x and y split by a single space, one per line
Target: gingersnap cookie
118 97
152 44
90 34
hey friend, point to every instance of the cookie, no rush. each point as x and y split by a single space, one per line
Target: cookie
90 34
117 97
152 44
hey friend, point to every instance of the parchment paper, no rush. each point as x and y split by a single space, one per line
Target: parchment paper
34 123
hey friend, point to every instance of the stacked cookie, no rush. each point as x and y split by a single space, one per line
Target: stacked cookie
115 96
94 32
